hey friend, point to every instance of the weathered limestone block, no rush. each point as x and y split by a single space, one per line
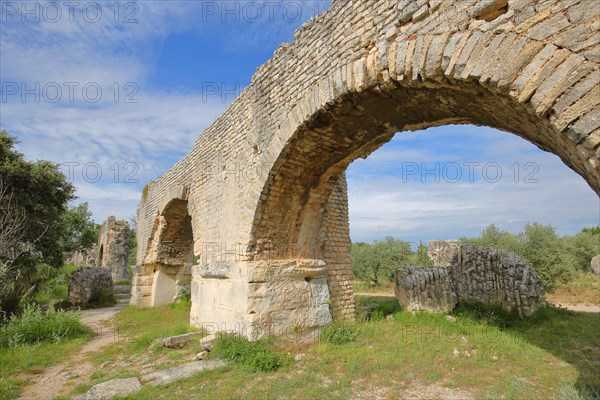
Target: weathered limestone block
111 389
87 283
595 264
180 340
113 249
496 276
424 289
180 372
442 252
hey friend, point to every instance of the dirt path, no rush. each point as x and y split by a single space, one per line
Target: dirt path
580 307
52 382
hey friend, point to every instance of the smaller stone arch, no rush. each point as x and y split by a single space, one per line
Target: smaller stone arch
165 270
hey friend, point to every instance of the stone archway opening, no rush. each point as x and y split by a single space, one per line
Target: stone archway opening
304 204
422 182
452 182
165 273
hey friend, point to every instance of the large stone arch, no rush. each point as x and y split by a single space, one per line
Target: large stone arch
266 179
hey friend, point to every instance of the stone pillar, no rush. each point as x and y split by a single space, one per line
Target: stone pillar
335 244
113 249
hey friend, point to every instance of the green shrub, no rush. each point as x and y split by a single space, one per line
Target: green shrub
376 262
374 308
377 315
340 332
185 294
106 298
257 356
54 288
33 326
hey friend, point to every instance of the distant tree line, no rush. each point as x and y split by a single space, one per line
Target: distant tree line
376 262
36 224
556 259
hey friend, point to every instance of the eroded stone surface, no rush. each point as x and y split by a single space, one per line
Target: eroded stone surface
264 185
442 253
87 284
111 389
180 340
425 289
180 372
481 275
113 249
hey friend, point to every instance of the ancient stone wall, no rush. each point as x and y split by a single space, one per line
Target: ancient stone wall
425 289
496 276
265 174
165 271
480 275
113 249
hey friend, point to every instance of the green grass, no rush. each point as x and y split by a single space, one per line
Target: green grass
137 342
375 307
587 280
257 356
553 355
33 326
17 366
34 340
340 332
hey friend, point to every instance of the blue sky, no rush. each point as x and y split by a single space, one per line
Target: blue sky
123 89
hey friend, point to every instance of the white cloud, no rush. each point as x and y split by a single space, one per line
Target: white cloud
140 141
385 204
162 127
152 134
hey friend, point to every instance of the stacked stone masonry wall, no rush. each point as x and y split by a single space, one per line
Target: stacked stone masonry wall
474 275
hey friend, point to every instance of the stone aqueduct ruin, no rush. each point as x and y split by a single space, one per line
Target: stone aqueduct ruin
256 215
